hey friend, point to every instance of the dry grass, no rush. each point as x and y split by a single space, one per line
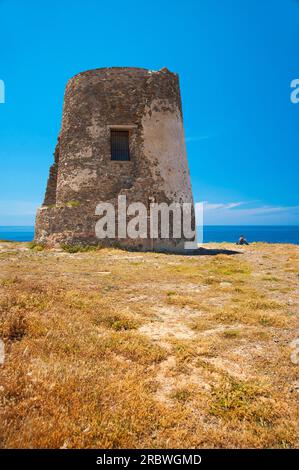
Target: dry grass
114 349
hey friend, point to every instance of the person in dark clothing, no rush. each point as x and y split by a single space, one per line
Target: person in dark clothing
242 241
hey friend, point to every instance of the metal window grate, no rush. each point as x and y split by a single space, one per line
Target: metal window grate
120 145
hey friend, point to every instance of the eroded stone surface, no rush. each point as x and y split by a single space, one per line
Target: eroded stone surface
83 174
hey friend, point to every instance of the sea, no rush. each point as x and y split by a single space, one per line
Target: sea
212 233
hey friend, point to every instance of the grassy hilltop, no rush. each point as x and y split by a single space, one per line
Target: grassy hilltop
115 349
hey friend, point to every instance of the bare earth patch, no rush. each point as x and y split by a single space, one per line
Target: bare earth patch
114 349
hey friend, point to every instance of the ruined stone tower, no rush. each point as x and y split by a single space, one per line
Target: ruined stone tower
122 134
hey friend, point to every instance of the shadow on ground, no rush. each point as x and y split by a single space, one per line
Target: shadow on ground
211 252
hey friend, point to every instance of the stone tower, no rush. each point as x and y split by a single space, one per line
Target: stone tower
122 134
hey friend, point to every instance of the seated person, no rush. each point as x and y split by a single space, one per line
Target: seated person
242 241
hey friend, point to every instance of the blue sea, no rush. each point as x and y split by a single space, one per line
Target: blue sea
252 233
16 233
212 233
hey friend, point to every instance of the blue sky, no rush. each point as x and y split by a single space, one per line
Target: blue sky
236 60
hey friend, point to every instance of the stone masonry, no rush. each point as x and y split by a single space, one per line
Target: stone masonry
148 105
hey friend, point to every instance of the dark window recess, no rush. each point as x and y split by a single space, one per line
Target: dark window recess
120 149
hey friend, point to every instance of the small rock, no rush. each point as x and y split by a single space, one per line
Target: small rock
225 284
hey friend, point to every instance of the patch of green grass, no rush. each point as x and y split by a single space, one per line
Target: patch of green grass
170 293
73 204
117 245
190 269
270 278
36 246
231 268
243 400
182 395
272 320
210 280
79 248
231 333
184 351
116 321
7 282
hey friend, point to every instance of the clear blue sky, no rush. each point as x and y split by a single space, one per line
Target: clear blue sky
235 58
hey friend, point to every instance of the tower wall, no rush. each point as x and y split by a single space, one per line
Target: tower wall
148 105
